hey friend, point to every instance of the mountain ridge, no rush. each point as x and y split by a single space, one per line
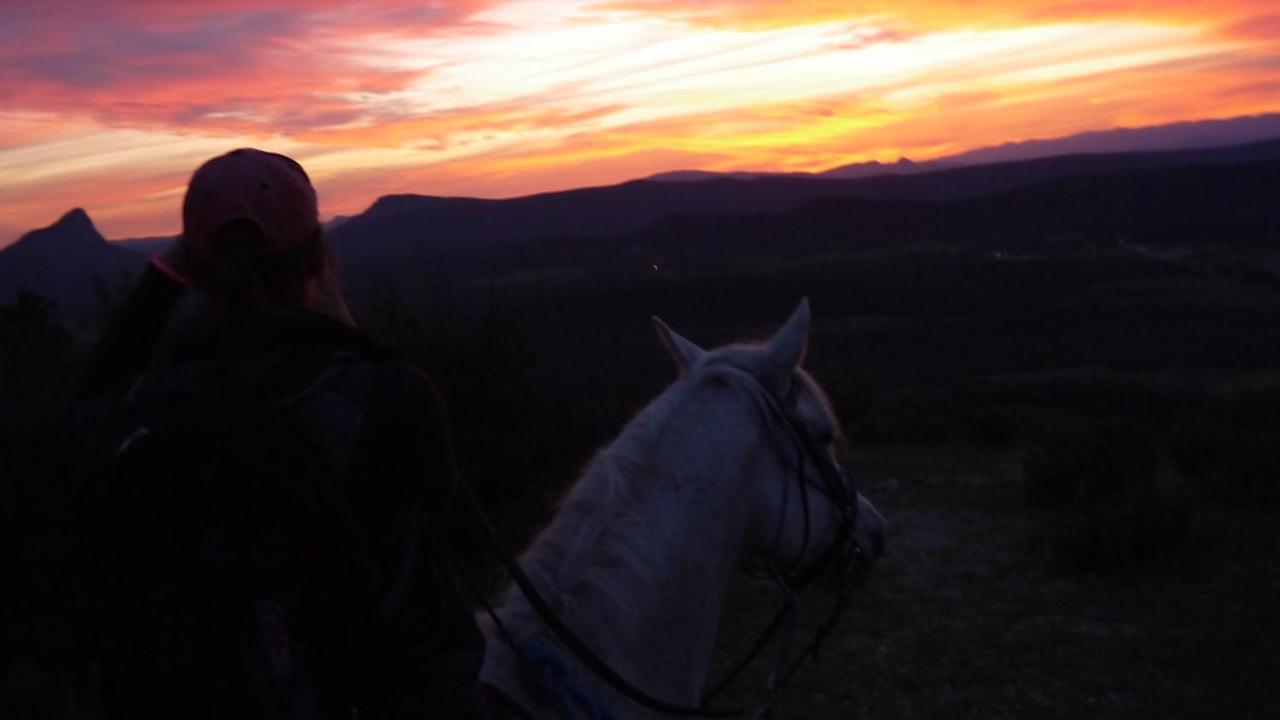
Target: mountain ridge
1184 135
1196 135
439 231
463 239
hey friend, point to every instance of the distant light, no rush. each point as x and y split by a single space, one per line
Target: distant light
655 266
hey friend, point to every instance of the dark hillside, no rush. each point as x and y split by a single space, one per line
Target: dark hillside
62 262
462 235
1191 209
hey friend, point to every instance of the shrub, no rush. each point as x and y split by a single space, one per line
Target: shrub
1117 502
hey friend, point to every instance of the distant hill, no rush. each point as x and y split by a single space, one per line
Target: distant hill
1192 135
463 237
441 232
1193 197
699 175
61 262
904 166
1145 211
973 181
147 246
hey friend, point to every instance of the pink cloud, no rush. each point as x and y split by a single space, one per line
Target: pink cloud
239 67
1261 27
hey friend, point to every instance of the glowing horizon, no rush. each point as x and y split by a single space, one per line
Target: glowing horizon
111 106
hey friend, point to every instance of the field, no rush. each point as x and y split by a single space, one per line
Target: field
968 616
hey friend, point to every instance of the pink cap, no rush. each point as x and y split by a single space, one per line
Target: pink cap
269 189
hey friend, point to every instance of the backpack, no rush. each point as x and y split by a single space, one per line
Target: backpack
223 572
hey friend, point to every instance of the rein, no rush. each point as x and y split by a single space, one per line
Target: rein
837 486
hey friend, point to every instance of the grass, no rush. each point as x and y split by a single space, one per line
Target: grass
967 616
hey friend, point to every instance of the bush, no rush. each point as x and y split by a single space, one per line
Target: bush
1117 502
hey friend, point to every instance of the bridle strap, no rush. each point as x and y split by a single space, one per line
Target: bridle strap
837 484
839 488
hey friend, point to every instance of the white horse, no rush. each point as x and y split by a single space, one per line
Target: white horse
709 477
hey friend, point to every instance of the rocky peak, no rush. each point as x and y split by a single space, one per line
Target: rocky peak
75 221
74 229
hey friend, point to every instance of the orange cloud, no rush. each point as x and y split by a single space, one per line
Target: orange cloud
930 15
439 131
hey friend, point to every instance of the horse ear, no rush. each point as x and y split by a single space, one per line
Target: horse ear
787 346
683 351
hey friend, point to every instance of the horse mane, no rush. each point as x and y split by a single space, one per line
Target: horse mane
592 534
600 528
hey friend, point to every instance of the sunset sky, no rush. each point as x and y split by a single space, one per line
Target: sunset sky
110 105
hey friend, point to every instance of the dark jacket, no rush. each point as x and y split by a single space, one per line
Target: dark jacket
421 653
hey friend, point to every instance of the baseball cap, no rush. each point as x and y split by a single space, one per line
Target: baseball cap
269 189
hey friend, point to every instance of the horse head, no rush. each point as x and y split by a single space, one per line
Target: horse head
732 465
808 521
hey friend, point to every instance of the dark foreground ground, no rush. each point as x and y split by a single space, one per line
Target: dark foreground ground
1129 367
969 616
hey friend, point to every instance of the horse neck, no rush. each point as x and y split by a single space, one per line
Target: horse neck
637 560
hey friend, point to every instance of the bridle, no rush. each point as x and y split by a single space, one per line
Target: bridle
843 553
834 482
